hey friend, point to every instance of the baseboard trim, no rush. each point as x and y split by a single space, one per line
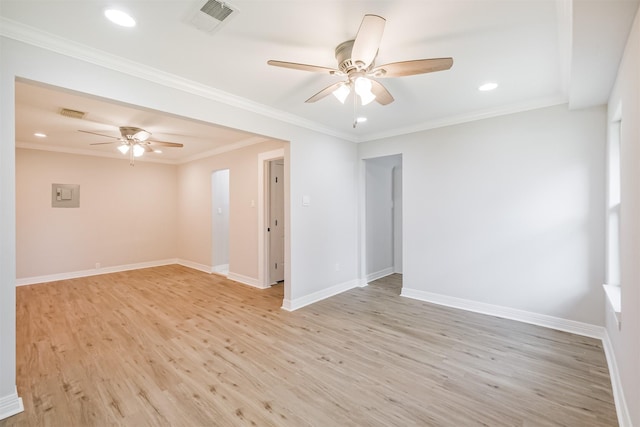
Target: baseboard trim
194 265
93 272
246 280
624 418
379 274
544 320
10 405
292 305
221 268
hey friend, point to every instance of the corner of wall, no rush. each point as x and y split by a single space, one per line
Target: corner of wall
10 405
624 418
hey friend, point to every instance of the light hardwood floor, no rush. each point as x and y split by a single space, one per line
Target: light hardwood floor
174 346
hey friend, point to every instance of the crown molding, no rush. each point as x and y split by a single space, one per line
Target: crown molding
470 117
223 149
36 37
86 152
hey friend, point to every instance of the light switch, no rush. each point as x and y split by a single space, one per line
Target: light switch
306 200
219 211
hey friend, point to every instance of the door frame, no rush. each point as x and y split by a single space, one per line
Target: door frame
362 199
263 206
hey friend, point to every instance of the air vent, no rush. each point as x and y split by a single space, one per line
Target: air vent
74 114
216 10
212 14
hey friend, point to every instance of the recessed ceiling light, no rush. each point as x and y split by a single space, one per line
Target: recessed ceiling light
488 86
40 135
120 18
361 119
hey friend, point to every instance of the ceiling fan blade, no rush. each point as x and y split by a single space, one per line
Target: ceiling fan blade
382 94
99 134
102 143
365 46
164 143
324 92
147 148
409 68
303 67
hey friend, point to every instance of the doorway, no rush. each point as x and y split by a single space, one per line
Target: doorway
273 205
220 221
383 217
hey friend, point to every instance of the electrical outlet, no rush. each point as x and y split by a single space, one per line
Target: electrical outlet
337 266
97 265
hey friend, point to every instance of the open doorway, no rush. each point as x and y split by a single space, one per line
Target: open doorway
220 222
383 217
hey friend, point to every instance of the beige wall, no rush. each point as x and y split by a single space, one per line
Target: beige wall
194 188
127 215
130 215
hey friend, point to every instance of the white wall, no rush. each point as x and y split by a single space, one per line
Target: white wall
127 215
327 229
397 218
379 218
507 211
220 220
626 341
321 235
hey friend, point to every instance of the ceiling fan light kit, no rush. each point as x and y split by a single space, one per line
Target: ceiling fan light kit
356 62
134 141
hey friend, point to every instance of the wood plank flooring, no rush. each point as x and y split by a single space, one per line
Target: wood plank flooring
171 346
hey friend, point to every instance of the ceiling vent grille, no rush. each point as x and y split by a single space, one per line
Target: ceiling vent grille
212 14
74 114
216 10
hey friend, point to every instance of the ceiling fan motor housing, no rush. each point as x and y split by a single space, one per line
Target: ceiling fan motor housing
134 133
345 63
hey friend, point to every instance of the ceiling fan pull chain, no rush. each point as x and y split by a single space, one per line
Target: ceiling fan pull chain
355 106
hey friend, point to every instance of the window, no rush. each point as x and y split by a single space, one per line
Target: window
612 286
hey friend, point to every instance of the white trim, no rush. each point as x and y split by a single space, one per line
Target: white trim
544 320
624 419
223 149
220 269
39 38
291 305
469 117
42 39
263 269
614 297
379 274
246 280
196 266
87 152
94 272
10 405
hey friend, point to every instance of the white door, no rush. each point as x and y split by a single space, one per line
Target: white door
276 221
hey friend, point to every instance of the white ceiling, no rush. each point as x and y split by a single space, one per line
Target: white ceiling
541 52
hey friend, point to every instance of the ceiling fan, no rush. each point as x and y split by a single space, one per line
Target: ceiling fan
134 141
356 62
